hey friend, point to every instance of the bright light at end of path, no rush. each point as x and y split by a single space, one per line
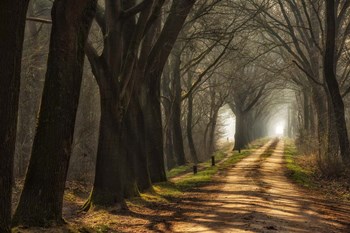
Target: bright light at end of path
279 130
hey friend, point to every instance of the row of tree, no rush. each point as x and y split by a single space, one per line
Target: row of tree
128 71
310 38
150 95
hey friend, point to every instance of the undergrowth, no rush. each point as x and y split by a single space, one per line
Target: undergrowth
302 168
297 173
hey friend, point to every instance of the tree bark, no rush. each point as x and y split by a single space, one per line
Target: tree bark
320 103
168 113
42 196
117 73
12 24
108 188
241 134
151 85
329 67
191 145
176 108
153 131
135 145
212 130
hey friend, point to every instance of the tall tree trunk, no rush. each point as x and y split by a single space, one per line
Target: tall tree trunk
42 196
214 111
108 186
212 130
306 113
329 67
12 24
241 134
151 86
191 145
153 130
121 163
169 152
320 103
168 121
121 167
135 145
176 108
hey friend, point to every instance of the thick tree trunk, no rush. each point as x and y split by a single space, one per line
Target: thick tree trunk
212 131
121 166
329 67
168 135
168 120
42 196
241 134
135 145
108 186
176 108
151 87
12 24
168 138
332 135
169 152
191 145
151 110
320 103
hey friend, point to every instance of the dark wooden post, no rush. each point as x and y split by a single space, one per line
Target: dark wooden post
212 160
194 169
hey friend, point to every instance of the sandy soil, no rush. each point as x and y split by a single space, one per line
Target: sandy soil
256 196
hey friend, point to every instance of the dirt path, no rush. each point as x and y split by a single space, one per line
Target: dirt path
255 196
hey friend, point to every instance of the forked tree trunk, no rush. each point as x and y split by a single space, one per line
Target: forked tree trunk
42 196
151 86
121 164
12 24
329 68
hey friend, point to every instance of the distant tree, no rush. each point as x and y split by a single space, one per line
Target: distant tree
12 24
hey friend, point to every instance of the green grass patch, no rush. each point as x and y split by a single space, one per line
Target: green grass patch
235 158
219 155
179 170
201 178
294 170
165 191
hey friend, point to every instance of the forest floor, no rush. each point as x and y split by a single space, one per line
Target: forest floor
254 195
